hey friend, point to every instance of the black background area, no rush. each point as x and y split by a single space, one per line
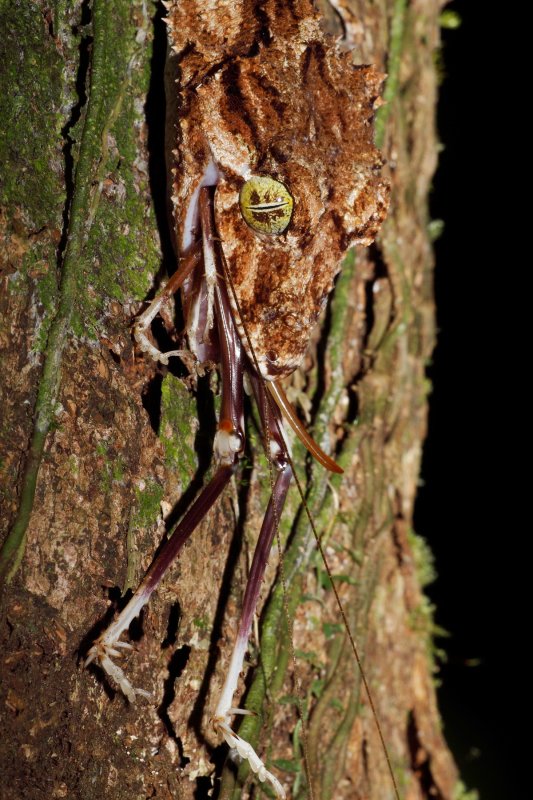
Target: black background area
466 506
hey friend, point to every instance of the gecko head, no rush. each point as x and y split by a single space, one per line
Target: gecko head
290 130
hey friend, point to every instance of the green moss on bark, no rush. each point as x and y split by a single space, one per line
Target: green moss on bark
178 408
33 101
110 248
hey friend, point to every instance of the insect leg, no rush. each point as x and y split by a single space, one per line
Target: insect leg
105 646
142 326
228 447
224 711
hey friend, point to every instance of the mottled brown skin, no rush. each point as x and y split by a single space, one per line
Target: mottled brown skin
277 98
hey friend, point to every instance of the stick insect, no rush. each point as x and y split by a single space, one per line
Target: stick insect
275 176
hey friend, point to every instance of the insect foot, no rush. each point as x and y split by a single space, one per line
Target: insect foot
101 653
142 326
106 646
146 345
241 749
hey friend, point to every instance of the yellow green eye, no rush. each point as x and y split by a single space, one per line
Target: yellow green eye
266 204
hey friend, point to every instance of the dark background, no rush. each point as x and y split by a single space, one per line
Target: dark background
464 510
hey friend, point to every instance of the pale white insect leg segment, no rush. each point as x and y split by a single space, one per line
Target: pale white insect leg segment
210 271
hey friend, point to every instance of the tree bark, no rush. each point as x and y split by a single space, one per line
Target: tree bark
100 449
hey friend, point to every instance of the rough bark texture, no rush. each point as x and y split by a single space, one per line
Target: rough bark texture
81 247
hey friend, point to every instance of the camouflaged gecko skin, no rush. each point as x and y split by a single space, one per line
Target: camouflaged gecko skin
263 91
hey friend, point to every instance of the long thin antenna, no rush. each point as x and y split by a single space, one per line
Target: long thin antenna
353 645
348 631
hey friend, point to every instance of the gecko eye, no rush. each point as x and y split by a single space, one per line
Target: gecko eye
266 205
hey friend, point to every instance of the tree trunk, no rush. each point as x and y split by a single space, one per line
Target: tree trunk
100 450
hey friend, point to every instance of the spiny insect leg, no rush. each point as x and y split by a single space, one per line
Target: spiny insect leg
272 425
229 444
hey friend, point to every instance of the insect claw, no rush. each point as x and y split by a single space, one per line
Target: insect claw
143 693
124 645
91 657
245 712
115 653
